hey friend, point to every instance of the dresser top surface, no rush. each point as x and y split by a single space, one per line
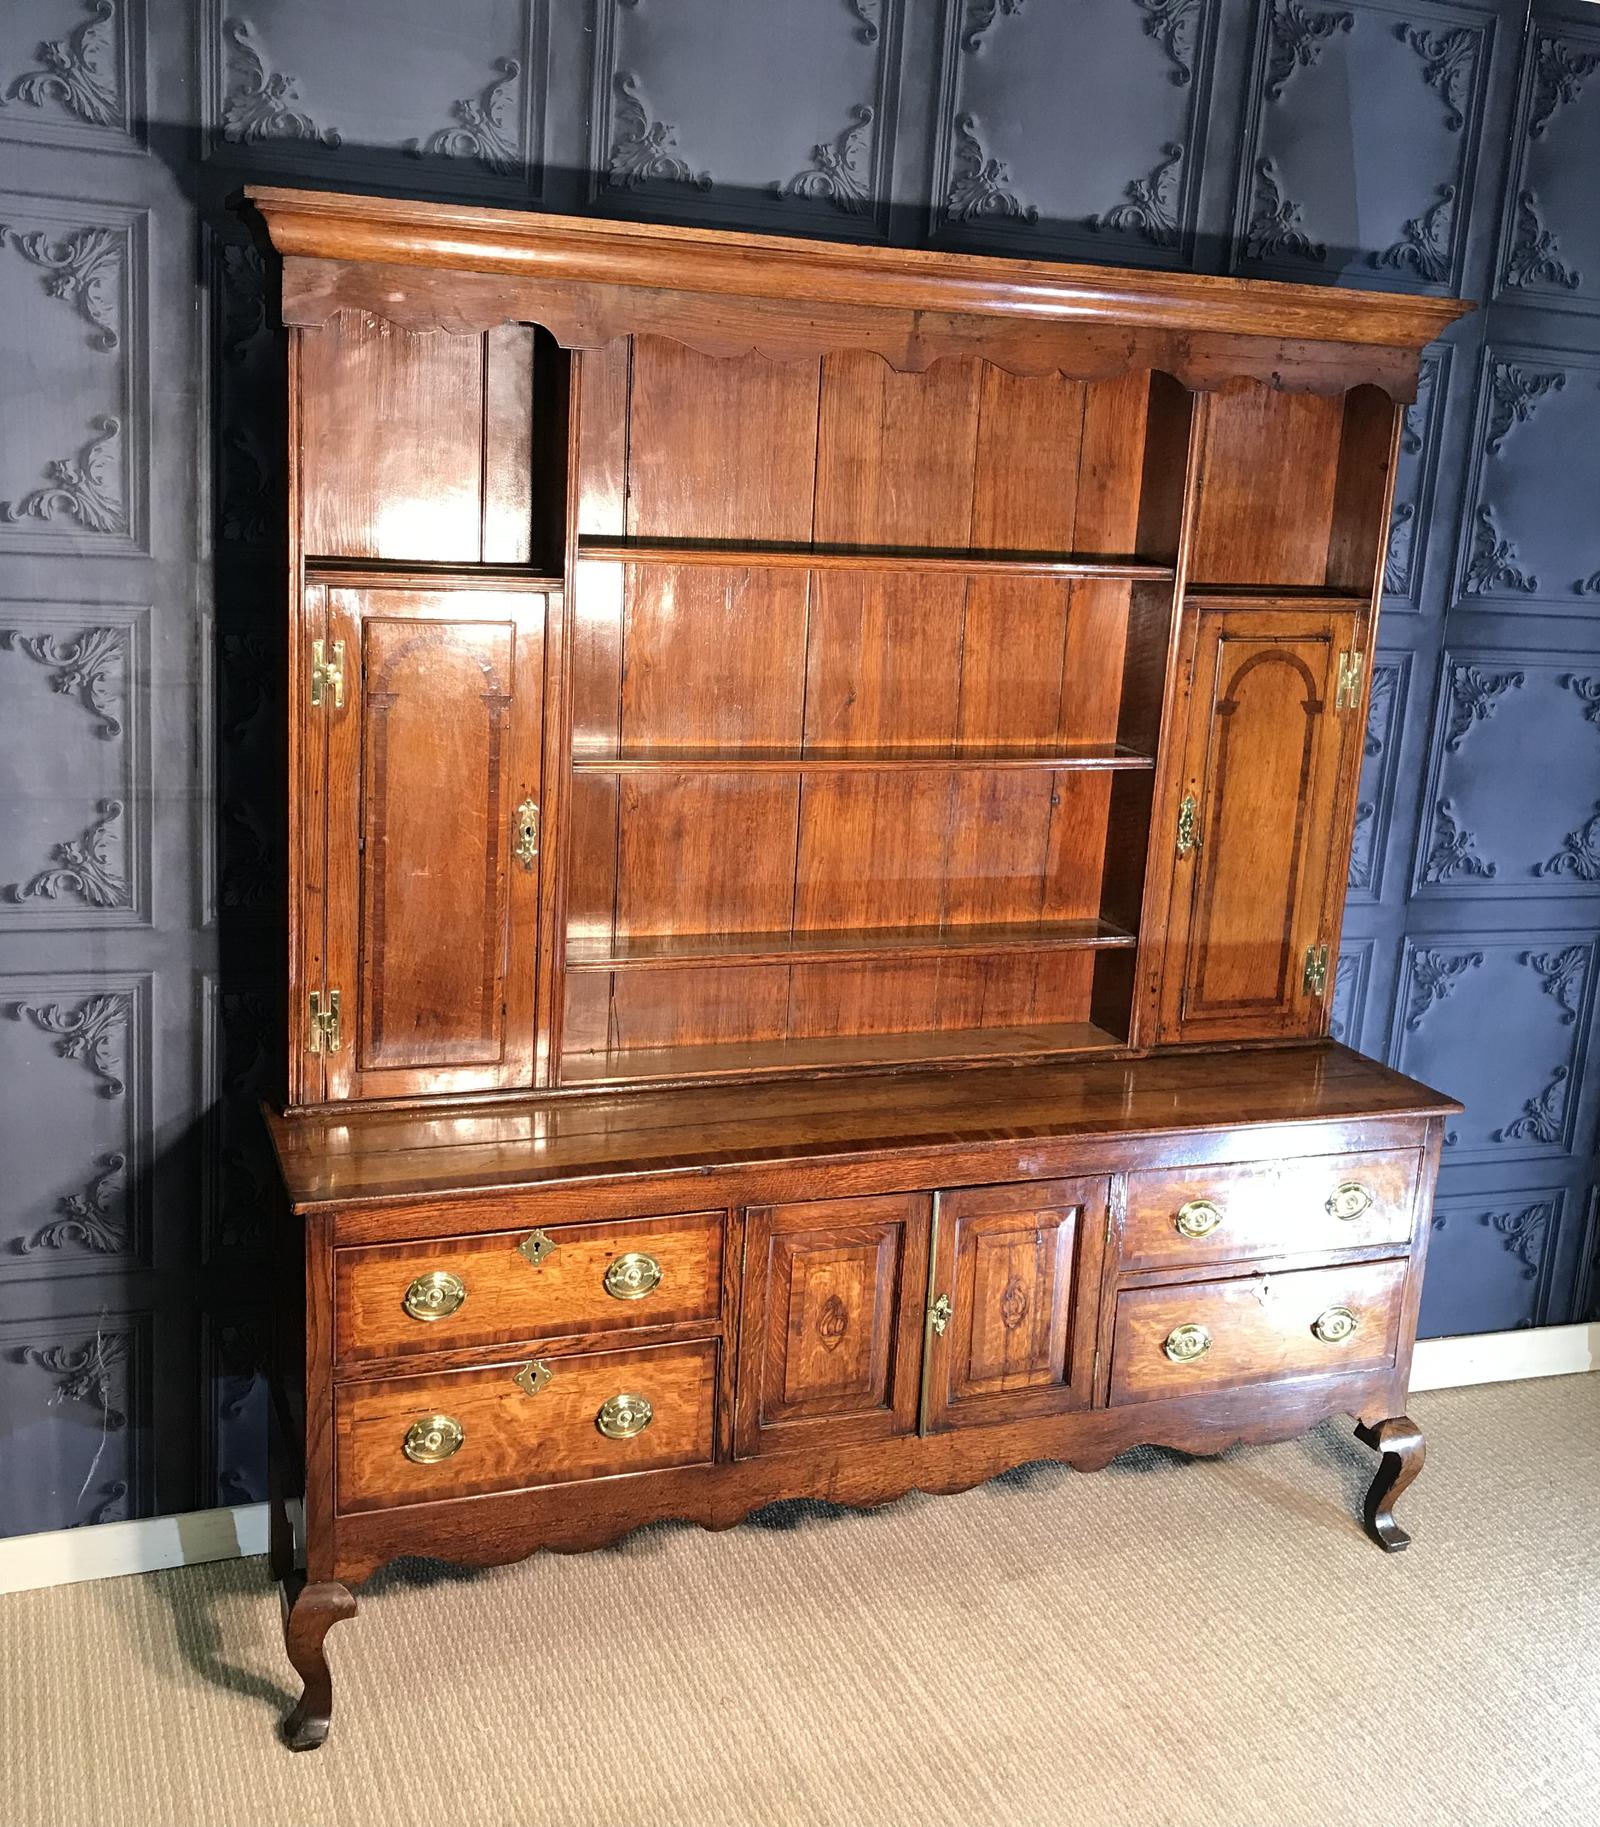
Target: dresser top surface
352 1156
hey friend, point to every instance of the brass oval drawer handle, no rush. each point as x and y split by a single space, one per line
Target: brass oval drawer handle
621 1417
435 1296
1183 1344
533 1376
633 1276
432 1438
1349 1199
1335 1325
536 1247
1197 1218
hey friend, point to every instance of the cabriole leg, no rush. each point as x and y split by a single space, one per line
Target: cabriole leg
309 1613
1400 1442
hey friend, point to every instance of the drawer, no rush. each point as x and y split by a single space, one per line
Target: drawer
1194 1215
540 1421
558 1281
1206 1335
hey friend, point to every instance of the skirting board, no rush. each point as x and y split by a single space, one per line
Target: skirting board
111 1549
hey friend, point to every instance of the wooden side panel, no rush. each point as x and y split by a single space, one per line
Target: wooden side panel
706 853
1264 752
1030 440
830 1333
883 662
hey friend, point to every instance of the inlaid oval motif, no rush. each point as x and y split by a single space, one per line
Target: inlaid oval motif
1013 1304
833 1322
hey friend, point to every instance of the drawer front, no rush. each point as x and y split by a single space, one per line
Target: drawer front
540 1421
1193 1215
561 1280
1208 1335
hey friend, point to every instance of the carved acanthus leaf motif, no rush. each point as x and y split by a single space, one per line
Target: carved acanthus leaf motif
483 130
79 486
241 1364
92 667
639 153
1579 855
96 1218
1451 852
246 676
259 103
1531 258
95 1032
867 12
83 268
1346 980
1274 227
79 72
1492 566
1449 64
1424 244
1361 849
84 866
981 15
1563 975
249 865
1151 208
1296 35
836 175
1432 977
978 186
244 300
1587 689
1380 708
1513 394
1174 25
110 1506
1525 1234
85 1374
1397 553
1474 695
1543 1116
248 493
1558 76
1588 586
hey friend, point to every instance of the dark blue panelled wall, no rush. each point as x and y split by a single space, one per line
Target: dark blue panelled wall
1424 145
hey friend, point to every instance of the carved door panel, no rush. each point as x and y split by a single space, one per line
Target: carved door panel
1274 712
1019 1267
431 847
831 1332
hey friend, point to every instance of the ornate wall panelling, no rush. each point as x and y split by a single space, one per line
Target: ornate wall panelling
1352 983
1506 1021
233 1396
72 74
1506 717
715 113
1387 703
1416 476
408 94
1344 99
239 1067
72 1391
1492 1257
1549 254
1074 132
75 1061
1529 536
74 315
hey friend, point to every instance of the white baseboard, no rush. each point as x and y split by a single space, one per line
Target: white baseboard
112 1549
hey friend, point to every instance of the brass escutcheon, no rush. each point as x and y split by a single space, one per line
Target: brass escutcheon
533 1376
536 1247
1335 1326
1349 1199
1197 1218
941 1313
1183 1344
621 1417
633 1276
435 1296
431 1438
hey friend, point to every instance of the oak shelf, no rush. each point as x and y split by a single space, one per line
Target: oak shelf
1098 757
1272 596
870 558
414 574
677 951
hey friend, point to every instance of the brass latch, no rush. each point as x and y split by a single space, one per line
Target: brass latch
327 675
1316 977
1187 840
526 847
323 1035
1347 695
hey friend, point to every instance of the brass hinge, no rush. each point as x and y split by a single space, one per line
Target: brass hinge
1187 840
1347 695
323 1023
1316 977
526 846
327 675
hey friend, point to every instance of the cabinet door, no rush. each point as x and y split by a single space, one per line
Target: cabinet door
1258 878
431 848
830 1336
1020 1269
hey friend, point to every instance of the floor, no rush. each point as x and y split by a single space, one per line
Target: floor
1171 1643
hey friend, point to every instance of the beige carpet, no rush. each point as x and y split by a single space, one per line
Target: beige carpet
1167 1642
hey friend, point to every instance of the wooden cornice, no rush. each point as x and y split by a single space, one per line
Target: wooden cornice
441 266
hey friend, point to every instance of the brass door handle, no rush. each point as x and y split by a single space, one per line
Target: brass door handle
633 1276
1183 1344
1197 1218
1349 1199
1335 1325
435 1296
432 1438
623 1416
536 1246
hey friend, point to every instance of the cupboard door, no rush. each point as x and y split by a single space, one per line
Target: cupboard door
831 1330
432 841
1258 878
1020 1269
